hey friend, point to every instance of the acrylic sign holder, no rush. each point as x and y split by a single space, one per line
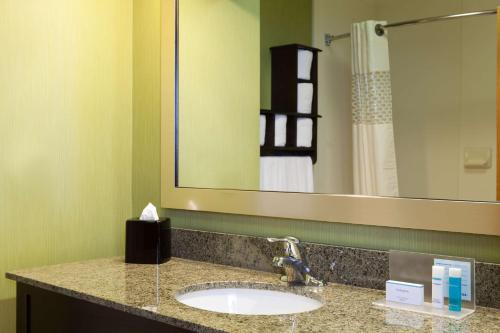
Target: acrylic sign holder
417 268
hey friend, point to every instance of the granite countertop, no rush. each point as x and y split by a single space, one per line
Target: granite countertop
135 289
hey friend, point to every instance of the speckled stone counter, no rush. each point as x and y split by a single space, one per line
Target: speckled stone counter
149 291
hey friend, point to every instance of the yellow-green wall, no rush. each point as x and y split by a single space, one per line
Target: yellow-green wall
219 93
281 22
146 99
146 111
65 133
147 188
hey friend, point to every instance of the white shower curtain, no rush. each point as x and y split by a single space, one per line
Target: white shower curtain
374 157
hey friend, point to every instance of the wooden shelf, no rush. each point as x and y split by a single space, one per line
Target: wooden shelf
284 98
286 151
291 114
294 149
297 46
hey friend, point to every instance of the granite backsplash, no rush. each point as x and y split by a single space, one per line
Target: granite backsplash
350 266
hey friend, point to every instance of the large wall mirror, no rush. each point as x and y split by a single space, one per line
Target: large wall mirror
343 105
408 113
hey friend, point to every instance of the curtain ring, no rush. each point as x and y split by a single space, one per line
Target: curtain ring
379 30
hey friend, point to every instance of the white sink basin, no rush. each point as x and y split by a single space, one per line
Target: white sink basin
248 301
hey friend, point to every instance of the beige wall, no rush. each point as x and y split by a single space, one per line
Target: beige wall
65 134
443 77
333 170
478 121
219 93
426 76
443 96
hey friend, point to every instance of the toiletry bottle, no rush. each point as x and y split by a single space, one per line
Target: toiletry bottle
437 287
455 291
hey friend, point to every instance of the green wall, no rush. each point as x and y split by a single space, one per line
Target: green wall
65 134
281 22
219 93
147 188
146 97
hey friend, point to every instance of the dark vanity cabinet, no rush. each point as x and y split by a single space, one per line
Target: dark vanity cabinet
43 311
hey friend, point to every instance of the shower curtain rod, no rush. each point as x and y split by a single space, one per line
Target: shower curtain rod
379 28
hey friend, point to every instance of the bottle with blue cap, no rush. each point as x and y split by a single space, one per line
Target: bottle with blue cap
455 289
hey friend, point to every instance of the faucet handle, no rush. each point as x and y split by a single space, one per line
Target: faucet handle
290 245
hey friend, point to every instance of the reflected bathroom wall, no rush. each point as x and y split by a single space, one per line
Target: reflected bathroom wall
281 22
443 84
219 74
443 94
450 104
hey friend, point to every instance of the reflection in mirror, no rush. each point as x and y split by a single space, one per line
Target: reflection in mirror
318 96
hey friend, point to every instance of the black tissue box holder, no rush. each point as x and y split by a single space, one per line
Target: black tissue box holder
147 242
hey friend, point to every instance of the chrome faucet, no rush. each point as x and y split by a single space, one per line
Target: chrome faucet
296 270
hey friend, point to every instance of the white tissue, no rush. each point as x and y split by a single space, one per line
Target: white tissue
149 213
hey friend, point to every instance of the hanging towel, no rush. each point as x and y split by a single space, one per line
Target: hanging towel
304 132
305 92
305 59
280 130
374 156
262 130
286 174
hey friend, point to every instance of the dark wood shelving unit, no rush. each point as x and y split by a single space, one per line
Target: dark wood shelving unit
284 101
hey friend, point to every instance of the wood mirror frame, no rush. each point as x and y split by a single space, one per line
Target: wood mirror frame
439 215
